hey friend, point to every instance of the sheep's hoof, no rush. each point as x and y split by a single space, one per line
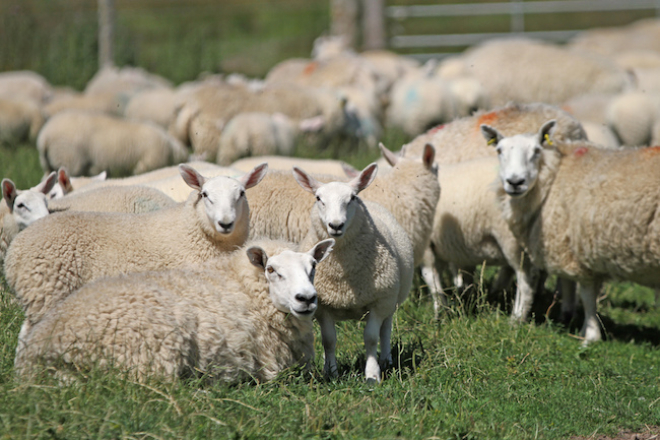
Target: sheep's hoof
371 381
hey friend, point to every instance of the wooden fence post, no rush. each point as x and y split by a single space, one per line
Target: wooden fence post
344 17
373 24
106 33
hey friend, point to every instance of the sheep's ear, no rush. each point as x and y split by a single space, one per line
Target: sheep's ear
9 193
47 184
349 170
257 257
64 180
428 156
100 177
191 177
253 177
544 135
365 178
390 157
491 134
307 182
322 249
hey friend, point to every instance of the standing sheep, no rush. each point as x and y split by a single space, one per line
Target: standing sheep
66 250
581 212
88 144
369 272
236 317
20 121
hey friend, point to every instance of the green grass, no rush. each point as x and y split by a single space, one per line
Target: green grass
470 375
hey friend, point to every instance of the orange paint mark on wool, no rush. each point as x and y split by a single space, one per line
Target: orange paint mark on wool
579 152
310 68
487 118
650 150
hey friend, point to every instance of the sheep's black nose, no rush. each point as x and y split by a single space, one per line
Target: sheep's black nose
226 225
307 299
336 227
515 181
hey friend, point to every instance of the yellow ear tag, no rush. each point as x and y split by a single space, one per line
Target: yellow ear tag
548 140
492 141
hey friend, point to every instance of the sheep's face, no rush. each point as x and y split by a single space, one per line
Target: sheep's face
336 201
28 206
520 157
224 198
224 202
290 277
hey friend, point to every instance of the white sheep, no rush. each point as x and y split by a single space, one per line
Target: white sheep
24 85
280 163
158 105
87 144
108 103
581 212
66 184
20 121
19 209
127 199
65 250
524 71
233 318
369 272
631 116
461 139
124 80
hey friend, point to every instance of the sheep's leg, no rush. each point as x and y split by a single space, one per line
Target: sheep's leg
431 276
526 278
386 343
568 299
329 340
22 337
371 335
591 328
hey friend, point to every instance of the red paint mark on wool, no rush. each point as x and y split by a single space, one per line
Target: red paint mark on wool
487 118
310 68
436 129
651 150
579 152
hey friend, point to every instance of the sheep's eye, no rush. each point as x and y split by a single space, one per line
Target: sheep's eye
20 206
353 196
241 194
499 150
270 269
318 199
204 194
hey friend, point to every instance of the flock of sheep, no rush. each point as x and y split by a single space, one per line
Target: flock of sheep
219 264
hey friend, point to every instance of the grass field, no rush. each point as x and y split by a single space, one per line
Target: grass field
471 375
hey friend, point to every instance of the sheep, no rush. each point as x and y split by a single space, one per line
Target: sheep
66 250
24 85
125 80
631 116
159 106
91 143
564 203
20 121
279 163
601 135
369 272
128 199
258 134
19 209
461 139
107 103
640 35
66 184
525 71
231 319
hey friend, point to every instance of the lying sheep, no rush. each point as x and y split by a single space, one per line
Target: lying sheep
127 199
65 250
67 184
369 272
88 144
234 318
20 121
107 103
124 80
631 116
22 208
24 85
158 105
461 139
565 204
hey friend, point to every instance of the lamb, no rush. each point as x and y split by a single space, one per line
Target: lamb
20 121
564 203
66 250
88 144
21 208
234 318
461 139
369 272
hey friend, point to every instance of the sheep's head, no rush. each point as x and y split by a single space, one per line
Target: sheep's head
290 277
519 156
30 205
336 201
223 197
